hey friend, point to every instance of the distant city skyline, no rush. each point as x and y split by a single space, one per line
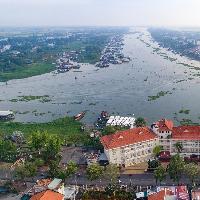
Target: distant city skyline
100 13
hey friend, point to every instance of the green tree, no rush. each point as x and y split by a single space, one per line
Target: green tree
37 140
27 170
175 168
160 174
31 169
71 168
192 170
178 146
21 172
8 151
153 164
39 162
94 172
112 173
54 169
157 149
52 147
140 122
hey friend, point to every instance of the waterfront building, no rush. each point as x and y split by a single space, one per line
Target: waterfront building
130 147
169 136
136 145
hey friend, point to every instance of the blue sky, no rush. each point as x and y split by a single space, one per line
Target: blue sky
100 12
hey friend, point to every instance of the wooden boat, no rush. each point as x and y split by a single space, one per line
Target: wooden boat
79 116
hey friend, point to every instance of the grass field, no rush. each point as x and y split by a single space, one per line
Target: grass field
30 70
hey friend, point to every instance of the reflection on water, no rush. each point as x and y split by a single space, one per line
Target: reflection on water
123 89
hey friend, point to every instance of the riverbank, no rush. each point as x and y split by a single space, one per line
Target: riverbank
63 126
149 86
23 57
24 72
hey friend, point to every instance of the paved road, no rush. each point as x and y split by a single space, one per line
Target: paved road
137 179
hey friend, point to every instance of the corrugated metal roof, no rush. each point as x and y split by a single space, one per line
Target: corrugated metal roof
54 184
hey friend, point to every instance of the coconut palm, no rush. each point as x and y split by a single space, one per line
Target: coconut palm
178 146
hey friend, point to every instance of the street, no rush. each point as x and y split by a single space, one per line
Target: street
146 179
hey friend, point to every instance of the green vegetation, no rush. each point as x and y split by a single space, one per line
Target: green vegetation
157 149
27 170
184 111
112 129
158 95
43 98
192 170
160 174
178 146
35 53
65 126
24 72
56 171
140 122
187 122
175 168
111 173
94 172
153 164
8 151
111 192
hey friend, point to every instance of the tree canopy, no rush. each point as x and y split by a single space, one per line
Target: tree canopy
94 172
112 173
192 170
140 122
8 151
176 167
160 174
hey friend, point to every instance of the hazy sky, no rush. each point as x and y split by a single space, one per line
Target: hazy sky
99 12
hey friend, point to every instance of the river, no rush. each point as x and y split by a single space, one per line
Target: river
120 89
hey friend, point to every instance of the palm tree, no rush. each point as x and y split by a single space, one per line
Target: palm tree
140 122
157 149
178 146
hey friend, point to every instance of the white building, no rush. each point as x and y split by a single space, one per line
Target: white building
130 146
188 136
136 145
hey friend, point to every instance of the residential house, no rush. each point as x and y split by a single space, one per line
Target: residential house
170 193
47 195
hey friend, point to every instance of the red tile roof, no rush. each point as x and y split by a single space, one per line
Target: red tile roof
47 195
186 133
182 193
165 125
131 136
160 195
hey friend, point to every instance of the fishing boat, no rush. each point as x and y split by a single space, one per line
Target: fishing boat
79 116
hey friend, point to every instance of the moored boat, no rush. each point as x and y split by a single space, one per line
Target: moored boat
6 115
79 116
